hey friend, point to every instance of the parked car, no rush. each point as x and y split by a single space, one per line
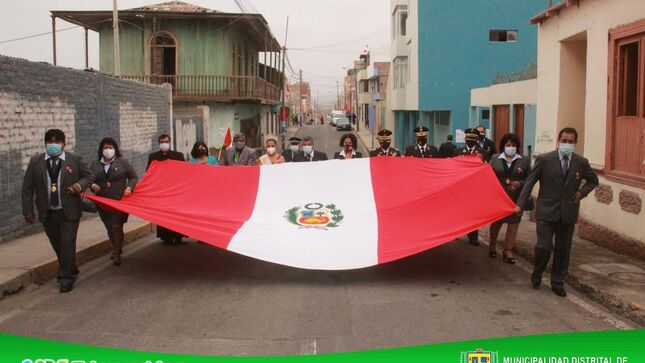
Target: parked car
335 115
342 123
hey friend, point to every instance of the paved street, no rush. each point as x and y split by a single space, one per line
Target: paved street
327 139
197 299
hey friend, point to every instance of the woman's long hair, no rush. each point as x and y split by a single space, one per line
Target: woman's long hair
109 141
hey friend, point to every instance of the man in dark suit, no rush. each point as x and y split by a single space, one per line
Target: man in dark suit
485 143
471 149
294 147
167 236
560 174
56 178
308 153
447 149
421 149
240 154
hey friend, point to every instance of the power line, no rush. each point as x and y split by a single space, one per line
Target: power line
351 41
37 35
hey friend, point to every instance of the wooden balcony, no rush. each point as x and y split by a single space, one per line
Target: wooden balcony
216 88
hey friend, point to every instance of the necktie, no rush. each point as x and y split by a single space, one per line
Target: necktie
565 165
54 169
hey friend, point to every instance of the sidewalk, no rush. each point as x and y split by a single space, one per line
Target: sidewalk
614 280
31 259
365 139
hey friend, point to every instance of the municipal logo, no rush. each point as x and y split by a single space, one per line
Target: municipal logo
479 356
315 215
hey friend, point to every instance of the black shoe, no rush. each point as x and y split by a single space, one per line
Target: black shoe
474 242
559 291
492 254
535 282
66 287
76 271
508 259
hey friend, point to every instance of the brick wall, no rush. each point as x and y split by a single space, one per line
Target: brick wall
87 106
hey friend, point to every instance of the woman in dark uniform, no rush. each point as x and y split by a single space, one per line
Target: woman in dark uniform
511 169
115 178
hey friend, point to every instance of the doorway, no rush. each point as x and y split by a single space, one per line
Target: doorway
163 58
501 122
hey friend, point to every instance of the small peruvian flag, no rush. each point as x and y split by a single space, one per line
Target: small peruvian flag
227 139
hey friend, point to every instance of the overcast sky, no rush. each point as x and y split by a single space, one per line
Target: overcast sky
349 25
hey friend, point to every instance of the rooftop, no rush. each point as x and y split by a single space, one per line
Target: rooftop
553 11
93 19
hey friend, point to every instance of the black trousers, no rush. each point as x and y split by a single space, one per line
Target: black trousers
473 236
166 234
547 234
62 236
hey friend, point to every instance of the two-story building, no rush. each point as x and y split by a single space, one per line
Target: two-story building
379 74
591 76
222 66
440 50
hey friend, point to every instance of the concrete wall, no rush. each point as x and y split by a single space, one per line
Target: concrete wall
455 54
522 92
87 106
562 39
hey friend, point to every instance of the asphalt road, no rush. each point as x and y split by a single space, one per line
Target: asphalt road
197 299
327 139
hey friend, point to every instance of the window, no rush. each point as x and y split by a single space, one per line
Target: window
502 36
625 151
400 72
628 79
399 20
485 114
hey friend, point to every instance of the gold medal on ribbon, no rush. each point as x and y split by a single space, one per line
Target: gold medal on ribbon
108 184
53 188
508 181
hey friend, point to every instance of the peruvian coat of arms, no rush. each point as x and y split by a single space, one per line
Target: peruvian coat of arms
315 215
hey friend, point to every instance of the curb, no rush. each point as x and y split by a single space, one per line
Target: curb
610 301
47 270
360 139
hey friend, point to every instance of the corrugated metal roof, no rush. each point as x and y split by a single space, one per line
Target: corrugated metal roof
175 7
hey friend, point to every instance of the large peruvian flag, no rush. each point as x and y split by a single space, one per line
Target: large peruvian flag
330 215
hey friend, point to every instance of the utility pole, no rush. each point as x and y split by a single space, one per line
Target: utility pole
300 97
337 97
115 28
284 60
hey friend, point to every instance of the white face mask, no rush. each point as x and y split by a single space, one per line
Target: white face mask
510 150
566 149
108 154
295 148
308 149
164 146
271 150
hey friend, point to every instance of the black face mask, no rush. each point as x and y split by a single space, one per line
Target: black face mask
482 136
385 145
422 141
201 152
471 143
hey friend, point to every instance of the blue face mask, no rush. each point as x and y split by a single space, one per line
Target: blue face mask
567 149
308 149
54 149
510 150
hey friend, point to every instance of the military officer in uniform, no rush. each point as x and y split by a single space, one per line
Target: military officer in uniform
294 147
472 149
421 149
472 146
485 143
385 140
